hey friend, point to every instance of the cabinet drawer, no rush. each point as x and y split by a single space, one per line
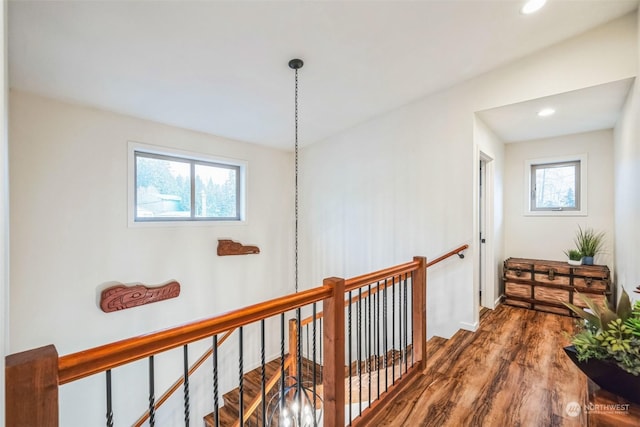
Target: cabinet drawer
517 290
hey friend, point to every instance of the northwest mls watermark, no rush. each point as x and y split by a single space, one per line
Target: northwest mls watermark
573 409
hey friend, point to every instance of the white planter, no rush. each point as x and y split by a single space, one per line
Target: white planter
573 262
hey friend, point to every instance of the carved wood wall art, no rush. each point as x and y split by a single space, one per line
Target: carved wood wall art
121 297
229 247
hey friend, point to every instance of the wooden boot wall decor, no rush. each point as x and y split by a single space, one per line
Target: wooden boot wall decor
229 247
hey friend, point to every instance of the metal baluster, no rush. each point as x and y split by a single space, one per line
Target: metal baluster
306 327
385 336
240 380
152 398
400 326
263 375
109 402
315 418
321 340
186 385
377 306
282 362
369 340
393 330
359 335
406 324
216 409
349 350
299 364
411 317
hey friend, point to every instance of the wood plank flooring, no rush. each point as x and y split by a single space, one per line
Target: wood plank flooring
511 372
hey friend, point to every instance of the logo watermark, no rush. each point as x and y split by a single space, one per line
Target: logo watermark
573 409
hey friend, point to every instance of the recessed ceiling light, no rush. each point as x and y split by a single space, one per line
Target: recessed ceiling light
532 6
546 112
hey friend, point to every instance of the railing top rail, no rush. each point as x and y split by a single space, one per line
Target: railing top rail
456 251
92 361
365 279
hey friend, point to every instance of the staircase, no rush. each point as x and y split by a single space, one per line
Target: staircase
252 389
366 382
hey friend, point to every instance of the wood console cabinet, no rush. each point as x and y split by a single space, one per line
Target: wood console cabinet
544 285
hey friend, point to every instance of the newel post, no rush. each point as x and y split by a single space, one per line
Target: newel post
31 388
419 313
333 355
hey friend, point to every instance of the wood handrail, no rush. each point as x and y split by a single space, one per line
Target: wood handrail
456 251
176 385
98 359
365 279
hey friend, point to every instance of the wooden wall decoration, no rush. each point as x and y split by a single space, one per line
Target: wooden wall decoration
229 247
121 297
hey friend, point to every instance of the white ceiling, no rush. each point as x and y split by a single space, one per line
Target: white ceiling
221 66
583 110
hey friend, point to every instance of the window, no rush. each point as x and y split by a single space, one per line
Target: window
557 186
169 187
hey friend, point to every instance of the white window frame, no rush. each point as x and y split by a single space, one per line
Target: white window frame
134 147
529 186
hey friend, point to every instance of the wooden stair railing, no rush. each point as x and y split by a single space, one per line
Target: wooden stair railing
368 278
25 399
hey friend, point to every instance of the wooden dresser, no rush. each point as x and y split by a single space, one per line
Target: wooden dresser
544 285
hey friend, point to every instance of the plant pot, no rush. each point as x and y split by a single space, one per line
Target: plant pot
588 260
575 262
608 376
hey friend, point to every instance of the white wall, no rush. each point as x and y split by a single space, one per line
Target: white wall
403 184
70 236
627 191
4 210
547 237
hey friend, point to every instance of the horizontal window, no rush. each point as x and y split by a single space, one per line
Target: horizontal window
176 188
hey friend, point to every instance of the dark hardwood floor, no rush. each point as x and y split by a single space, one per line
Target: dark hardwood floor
511 372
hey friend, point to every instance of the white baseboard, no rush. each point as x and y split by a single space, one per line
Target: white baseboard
469 326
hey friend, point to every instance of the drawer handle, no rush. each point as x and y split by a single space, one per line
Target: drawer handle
552 274
589 281
518 272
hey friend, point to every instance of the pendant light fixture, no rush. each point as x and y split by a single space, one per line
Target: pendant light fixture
295 64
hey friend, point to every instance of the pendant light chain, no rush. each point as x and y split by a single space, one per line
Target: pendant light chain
296 185
296 64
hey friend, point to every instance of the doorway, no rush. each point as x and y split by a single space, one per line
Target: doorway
487 284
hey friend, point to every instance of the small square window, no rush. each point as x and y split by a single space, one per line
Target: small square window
556 186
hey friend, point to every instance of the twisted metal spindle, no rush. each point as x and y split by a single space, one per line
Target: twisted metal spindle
186 385
152 398
263 374
216 409
109 401
240 379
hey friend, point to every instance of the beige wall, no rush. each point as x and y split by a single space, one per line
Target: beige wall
4 208
546 237
70 237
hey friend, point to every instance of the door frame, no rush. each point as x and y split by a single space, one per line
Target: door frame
485 263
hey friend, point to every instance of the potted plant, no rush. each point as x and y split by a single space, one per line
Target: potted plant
607 346
574 255
589 243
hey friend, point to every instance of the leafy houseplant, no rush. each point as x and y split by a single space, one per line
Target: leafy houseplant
589 243
574 255
607 347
